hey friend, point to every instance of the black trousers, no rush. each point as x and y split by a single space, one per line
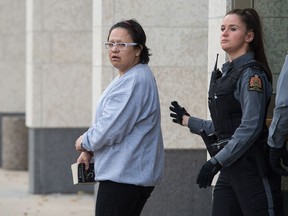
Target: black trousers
117 199
241 191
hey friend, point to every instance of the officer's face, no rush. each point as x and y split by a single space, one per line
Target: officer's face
235 38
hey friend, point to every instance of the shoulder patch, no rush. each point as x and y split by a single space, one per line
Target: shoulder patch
255 83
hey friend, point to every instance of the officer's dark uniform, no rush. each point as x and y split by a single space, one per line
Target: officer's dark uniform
238 101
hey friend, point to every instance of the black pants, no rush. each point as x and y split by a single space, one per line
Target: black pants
117 199
241 191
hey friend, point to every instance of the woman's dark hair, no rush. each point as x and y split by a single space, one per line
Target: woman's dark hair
250 17
138 36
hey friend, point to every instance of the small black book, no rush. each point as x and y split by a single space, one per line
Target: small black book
82 176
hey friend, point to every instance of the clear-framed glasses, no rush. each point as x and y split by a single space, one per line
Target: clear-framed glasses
119 46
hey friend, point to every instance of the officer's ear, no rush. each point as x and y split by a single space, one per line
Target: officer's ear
249 37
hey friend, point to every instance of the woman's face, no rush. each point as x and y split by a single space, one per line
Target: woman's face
234 37
123 59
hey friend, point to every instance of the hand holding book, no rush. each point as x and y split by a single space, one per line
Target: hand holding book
82 175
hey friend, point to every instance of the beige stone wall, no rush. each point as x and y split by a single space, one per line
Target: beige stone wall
59 58
12 56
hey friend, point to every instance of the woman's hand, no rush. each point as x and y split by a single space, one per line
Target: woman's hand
85 157
78 145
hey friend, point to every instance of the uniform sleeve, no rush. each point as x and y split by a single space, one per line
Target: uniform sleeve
253 91
197 124
278 130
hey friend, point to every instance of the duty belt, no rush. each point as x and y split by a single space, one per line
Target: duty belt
213 143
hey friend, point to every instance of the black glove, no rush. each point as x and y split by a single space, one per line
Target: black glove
207 173
178 112
276 154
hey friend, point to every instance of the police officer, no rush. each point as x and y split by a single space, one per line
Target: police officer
238 100
278 131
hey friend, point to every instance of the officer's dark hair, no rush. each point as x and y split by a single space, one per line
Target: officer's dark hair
138 36
250 17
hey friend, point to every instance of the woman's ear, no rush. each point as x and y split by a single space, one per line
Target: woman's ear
139 50
249 37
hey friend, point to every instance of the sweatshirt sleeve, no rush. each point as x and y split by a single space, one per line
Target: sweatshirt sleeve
278 130
116 117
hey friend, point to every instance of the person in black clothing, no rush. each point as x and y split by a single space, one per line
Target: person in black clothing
238 99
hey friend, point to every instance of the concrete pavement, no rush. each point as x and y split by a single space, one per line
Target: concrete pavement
15 200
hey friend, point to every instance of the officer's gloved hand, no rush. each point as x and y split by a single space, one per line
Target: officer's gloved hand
207 173
276 155
177 112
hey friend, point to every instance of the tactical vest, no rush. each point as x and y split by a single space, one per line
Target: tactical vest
225 110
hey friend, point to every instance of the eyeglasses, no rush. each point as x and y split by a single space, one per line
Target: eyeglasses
119 46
